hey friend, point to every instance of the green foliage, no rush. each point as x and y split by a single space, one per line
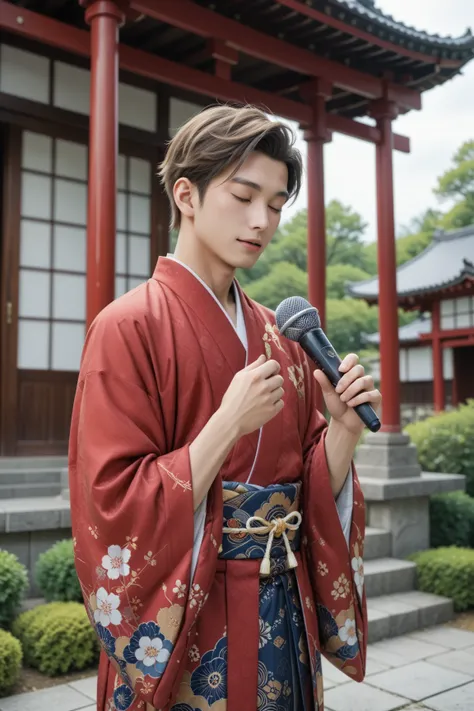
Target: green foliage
344 229
338 275
57 638
458 181
347 322
445 443
13 585
461 215
448 572
452 520
284 280
10 661
56 573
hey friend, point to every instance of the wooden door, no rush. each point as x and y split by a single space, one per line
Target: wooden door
44 278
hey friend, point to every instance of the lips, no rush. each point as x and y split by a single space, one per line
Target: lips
248 241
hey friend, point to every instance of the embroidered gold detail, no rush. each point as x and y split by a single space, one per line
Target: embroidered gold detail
185 485
270 336
296 375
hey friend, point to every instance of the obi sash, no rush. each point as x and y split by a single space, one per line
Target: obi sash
267 648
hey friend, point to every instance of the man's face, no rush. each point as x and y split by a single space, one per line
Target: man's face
239 216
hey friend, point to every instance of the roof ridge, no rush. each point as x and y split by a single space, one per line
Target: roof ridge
368 9
440 235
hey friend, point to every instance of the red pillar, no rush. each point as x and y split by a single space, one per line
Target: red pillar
385 111
437 349
104 17
316 136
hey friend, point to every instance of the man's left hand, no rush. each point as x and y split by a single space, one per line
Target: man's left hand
354 388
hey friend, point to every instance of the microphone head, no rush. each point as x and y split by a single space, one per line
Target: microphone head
295 316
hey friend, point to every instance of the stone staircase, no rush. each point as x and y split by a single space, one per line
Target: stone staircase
395 607
26 477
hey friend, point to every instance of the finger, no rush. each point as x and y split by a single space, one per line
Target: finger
358 386
371 396
323 382
277 395
348 362
256 363
357 371
275 382
267 369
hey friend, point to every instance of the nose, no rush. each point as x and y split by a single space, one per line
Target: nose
258 215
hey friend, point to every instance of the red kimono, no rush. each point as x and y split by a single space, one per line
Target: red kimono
241 625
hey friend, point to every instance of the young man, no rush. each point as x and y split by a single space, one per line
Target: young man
218 534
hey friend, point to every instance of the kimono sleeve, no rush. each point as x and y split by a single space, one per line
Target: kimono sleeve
133 527
334 550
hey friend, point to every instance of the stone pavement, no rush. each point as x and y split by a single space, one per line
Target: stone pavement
427 670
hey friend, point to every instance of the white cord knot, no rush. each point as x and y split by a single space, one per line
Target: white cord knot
276 527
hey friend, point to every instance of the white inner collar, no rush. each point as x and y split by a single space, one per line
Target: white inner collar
239 328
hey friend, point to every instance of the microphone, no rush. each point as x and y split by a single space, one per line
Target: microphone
298 321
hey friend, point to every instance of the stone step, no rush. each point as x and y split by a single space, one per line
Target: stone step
384 576
17 463
377 543
24 490
29 476
402 613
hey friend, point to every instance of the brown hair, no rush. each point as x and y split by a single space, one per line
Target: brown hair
220 136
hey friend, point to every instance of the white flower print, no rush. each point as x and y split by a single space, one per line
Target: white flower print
151 651
358 568
348 633
116 562
265 633
180 588
107 608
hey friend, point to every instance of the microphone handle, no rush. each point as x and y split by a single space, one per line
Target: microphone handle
316 344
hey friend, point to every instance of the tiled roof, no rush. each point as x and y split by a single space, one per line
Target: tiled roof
367 10
448 261
406 334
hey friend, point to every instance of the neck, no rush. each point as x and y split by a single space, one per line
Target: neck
217 275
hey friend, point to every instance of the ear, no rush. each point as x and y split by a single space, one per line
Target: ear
185 195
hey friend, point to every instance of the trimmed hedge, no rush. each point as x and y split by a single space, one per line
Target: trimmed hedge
56 574
57 638
452 520
445 443
10 662
448 572
13 585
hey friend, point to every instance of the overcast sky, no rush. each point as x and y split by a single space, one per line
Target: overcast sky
445 122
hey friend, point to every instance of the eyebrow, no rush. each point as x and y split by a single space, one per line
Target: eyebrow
256 186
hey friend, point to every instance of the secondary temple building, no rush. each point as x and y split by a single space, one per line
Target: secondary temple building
437 349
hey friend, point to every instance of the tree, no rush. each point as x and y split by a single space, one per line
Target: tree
282 281
348 320
345 229
338 275
458 183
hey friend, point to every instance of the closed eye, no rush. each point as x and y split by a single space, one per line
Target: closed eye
241 199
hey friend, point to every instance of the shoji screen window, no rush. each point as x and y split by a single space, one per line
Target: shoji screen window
132 256
52 280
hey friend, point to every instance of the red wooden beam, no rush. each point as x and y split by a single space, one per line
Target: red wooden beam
193 18
371 134
343 26
57 34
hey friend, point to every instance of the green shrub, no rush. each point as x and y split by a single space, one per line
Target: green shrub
56 574
445 443
13 585
57 638
448 572
452 520
10 661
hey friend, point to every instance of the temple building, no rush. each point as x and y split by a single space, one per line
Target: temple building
437 349
89 94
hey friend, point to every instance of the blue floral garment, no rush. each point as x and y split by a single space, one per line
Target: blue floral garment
284 677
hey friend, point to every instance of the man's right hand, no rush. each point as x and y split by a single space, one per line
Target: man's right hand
254 396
